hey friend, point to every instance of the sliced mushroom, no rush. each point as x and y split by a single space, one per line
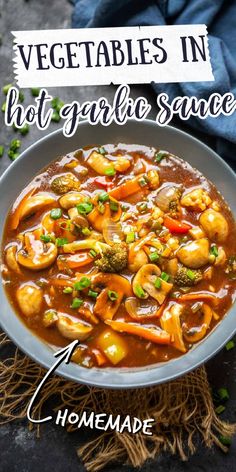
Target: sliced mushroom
73 329
30 299
195 333
141 310
194 254
48 223
137 256
77 219
11 259
146 278
215 225
167 194
71 199
104 307
170 322
38 256
36 203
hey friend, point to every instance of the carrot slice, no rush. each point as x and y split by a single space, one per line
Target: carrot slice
188 297
97 219
153 334
74 261
15 218
127 188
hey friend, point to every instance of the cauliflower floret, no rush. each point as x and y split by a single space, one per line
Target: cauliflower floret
157 214
197 199
114 258
65 183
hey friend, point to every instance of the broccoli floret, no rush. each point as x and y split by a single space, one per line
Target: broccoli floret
114 258
65 183
187 277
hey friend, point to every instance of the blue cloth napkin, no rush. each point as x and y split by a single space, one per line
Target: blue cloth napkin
220 18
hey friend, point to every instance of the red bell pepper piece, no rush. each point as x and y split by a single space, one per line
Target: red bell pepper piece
175 226
103 183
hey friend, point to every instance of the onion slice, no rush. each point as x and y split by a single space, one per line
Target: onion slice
112 232
165 195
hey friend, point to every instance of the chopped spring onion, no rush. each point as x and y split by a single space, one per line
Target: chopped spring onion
142 207
57 104
114 206
219 409
112 295
35 92
103 197
143 181
225 440
102 150
4 107
6 88
130 237
13 155
46 238
92 253
191 275
157 283
110 171
139 292
214 251
101 208
165 276
55 117
84 208
92 294
1 151
56 213
223 394
61 241
153 256
159 155
15 144
84 282
24 129
230 345
86 231
68 290
76 303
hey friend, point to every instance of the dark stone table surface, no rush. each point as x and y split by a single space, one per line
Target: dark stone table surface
20 451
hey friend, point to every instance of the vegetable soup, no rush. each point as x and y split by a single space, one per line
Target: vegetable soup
127 249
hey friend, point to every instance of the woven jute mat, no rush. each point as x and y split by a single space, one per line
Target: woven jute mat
183 411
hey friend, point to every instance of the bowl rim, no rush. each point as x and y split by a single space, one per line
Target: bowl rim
115 377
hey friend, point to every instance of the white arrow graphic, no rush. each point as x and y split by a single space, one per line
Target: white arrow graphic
64 355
